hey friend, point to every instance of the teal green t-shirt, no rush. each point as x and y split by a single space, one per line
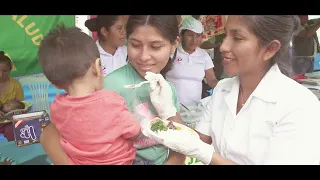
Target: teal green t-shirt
139 103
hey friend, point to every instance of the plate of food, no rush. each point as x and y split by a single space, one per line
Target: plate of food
161 129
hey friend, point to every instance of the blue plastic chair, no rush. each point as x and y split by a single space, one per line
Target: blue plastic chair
317 63
39 89
2 139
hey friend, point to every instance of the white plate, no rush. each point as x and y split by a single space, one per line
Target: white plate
161 135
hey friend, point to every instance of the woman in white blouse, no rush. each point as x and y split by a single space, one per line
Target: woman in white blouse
191 64
260 116
111 43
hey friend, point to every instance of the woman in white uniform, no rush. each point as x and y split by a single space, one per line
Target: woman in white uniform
111 42
191 65
260 116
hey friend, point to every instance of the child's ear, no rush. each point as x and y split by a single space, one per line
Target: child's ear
97 67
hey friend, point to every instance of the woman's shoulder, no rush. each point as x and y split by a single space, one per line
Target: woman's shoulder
120 73
14 88
226 83
120 77
201 53
296 103
293 91
15 83
123 50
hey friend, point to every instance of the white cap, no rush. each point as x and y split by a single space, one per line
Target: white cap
191 24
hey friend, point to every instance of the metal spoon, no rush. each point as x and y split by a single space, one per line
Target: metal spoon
132 86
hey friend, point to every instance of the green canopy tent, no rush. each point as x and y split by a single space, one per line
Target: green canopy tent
20 36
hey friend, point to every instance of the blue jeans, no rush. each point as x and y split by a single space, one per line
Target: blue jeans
141 162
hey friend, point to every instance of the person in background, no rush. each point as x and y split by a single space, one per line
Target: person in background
214 37
191 65
197 17
260 116
111 43
96 126
305 46
151 39
214 34
9 89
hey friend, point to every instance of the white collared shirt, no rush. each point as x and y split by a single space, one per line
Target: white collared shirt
187 73
111 62
279 124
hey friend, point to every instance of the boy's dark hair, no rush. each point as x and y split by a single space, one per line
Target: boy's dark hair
5 60
66 54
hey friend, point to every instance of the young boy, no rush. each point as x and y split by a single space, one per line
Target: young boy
95 125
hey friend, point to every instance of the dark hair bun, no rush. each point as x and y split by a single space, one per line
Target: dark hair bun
91 24
1 53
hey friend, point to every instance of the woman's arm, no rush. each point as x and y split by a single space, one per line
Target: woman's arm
205 138
209 73
209 45
174 157
211 78
218 160
223 23
309 32
50 141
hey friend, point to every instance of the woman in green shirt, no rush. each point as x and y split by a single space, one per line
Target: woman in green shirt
151 40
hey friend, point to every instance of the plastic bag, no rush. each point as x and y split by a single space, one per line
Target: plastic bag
192 115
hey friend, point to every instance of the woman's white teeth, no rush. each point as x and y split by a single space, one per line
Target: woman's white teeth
145 66
228 59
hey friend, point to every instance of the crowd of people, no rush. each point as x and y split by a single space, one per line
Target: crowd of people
259 115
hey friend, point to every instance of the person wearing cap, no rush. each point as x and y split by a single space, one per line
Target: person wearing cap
111 42
191 65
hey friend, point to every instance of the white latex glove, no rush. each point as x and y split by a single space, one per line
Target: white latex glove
161 95
183 143
192 147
